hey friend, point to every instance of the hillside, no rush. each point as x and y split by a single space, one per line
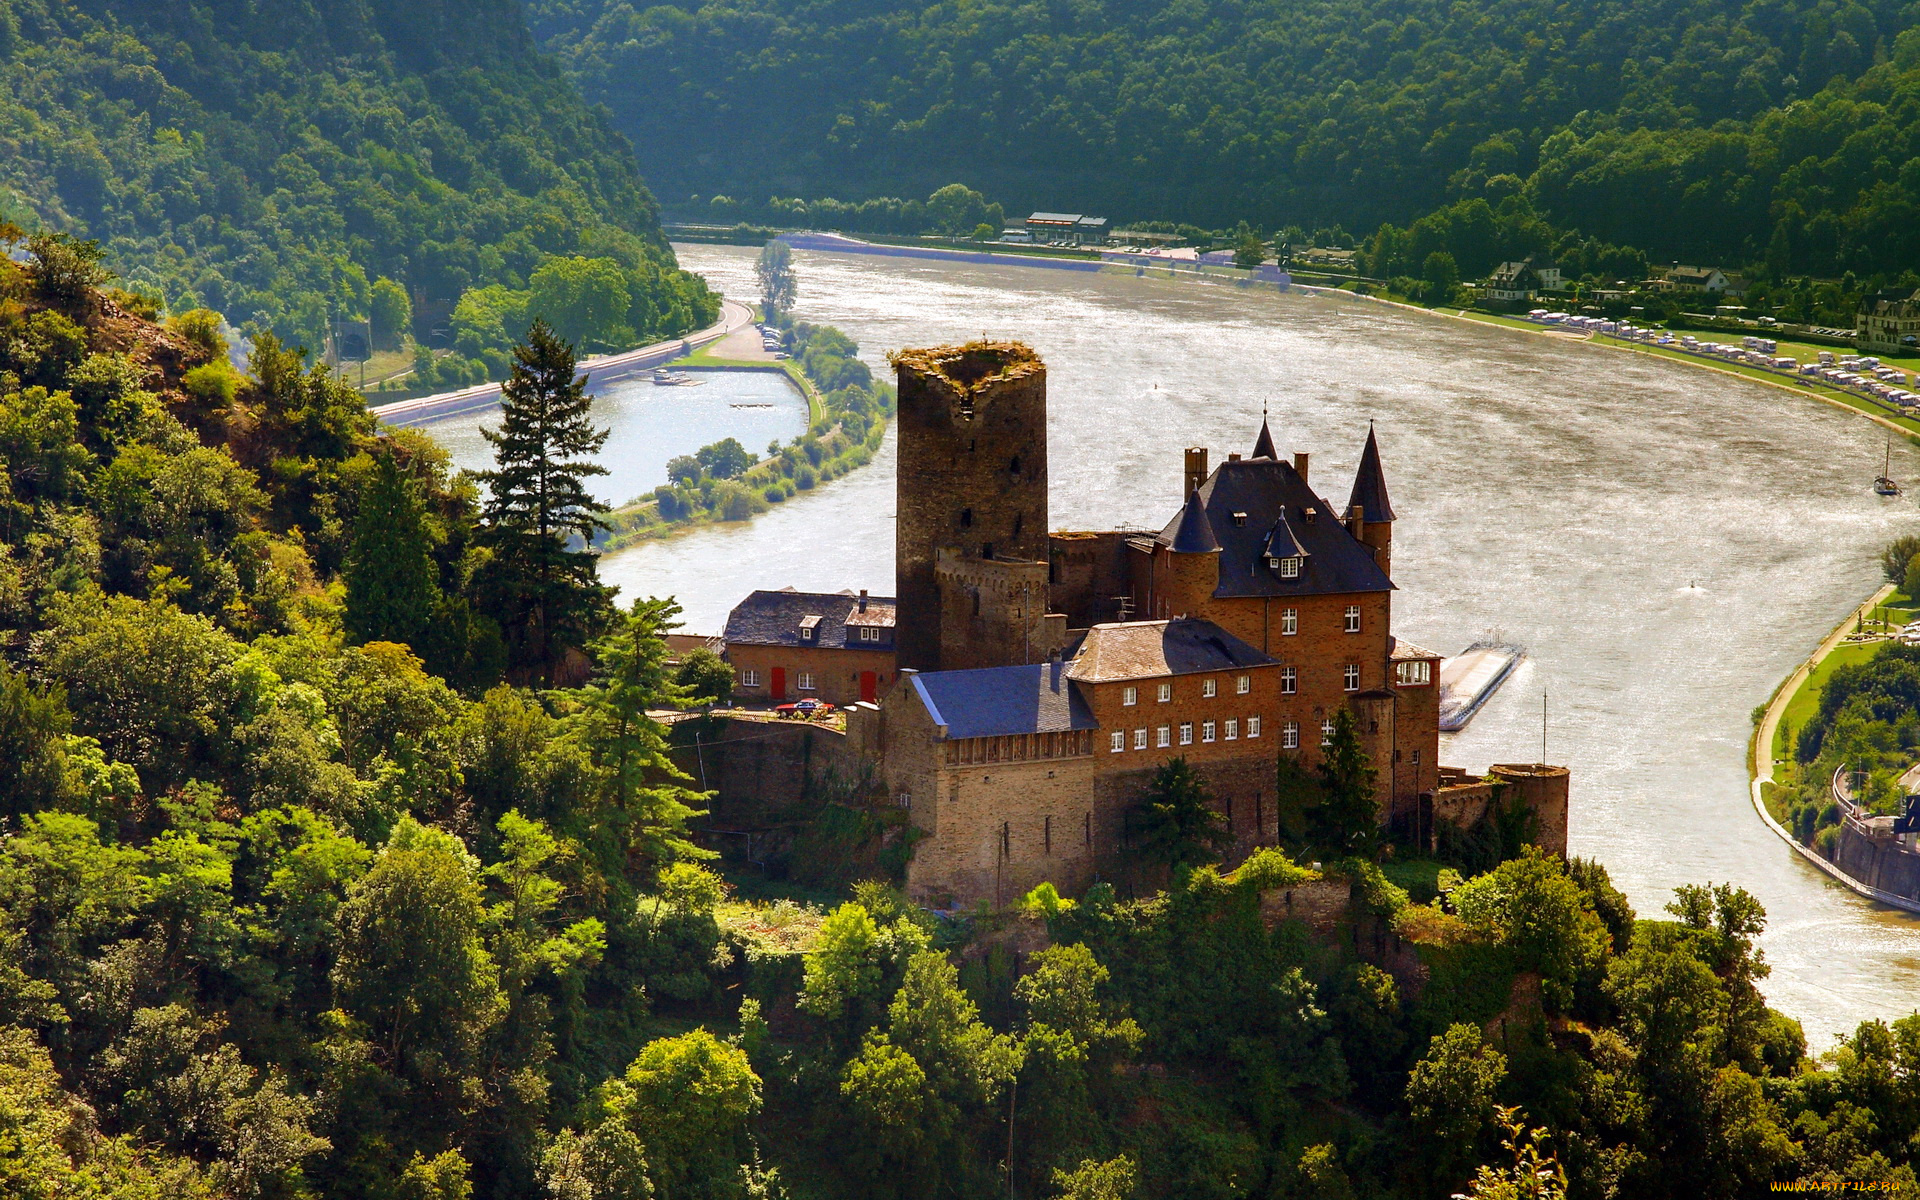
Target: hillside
1686 127
273 159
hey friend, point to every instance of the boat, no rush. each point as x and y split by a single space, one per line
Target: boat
1469 679
1883 484
665 378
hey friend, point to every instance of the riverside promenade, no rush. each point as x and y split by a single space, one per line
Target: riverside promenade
1761 757
606 368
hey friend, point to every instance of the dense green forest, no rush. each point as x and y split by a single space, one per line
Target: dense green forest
276 161
299 897
1777 131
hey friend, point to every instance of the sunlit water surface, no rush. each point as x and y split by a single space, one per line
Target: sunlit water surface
1666 542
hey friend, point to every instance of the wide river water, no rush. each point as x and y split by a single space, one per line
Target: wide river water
1667 542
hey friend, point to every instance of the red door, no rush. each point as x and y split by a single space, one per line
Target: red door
869 686
779 683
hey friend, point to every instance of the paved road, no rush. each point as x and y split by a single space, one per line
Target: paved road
600 369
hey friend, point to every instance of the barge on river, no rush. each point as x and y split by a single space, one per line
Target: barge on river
1469 679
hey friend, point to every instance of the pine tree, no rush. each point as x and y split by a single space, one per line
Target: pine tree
1347 819
546 596
391 584
644 792
1176 823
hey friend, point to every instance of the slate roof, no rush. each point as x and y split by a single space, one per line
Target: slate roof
1262 488
1263 446
1143 649
776 618
1194 534
1000 701
1370 484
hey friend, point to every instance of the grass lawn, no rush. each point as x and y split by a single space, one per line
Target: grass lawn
1806 701
1420 876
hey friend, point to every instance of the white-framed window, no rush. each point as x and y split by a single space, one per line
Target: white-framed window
749 678
1416 758
1186 733
1289 680
1166 692
1290 736
1139 739
1289 621
1350 677
1290 568
1129 695
1326 732
1253 727
1243 684
1118 741
1232 731
869 633
1209 688
1206 731
1417 673
1353 618
1163 736
806 681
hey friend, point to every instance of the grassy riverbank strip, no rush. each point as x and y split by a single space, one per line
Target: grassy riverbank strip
1792 702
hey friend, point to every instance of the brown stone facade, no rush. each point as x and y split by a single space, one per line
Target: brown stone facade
783 673
972 473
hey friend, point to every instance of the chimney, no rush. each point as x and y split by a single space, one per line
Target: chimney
1300 458
863 599
1233 458
1196 470
1357 521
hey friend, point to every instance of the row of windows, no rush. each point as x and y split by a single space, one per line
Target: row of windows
1290 620
1209 688
864 633
1164 735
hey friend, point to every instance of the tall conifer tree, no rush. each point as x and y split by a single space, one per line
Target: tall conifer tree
391 585
545 594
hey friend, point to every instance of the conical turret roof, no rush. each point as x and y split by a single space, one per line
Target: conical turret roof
1195 534
1370 484
1282 542
1263 448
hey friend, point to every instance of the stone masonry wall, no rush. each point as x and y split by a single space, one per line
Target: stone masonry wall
972 473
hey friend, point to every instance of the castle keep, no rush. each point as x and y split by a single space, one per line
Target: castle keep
1044 677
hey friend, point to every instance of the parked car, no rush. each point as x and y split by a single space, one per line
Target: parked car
805 710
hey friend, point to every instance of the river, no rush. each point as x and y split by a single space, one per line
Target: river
1667 542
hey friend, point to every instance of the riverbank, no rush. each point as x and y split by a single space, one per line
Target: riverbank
1797 694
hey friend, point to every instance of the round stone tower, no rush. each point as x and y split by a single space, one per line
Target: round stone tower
972 477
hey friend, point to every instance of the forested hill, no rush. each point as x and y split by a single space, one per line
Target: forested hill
271 159
1636 115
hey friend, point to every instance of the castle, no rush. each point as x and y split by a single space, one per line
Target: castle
1042 677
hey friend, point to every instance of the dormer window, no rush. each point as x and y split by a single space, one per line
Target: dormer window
1240 518
810 629
869 633
1289 568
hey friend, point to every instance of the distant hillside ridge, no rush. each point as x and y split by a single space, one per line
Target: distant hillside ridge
1692 128
273 159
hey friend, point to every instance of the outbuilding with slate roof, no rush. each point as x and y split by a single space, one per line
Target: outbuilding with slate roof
790 645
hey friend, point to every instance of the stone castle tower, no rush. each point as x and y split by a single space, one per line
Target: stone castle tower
971 531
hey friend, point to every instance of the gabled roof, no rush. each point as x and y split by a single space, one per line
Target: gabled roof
1194 534
1400 649
1056 218
1263 446
1000 701
775 618
1335 560
1144 649
1370 484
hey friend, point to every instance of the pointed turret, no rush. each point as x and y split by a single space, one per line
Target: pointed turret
1194 535
1369 512
1263 448
1370 485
